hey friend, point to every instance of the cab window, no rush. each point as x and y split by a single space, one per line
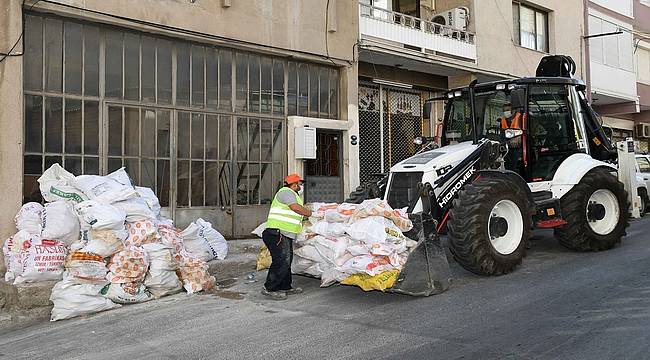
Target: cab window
553 135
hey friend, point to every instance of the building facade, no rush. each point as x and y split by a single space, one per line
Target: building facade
411 49
642 66
611 61
196 99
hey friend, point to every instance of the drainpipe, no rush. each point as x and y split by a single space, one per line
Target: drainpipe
587 58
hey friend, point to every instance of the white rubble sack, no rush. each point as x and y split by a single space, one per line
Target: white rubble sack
136 209
203 241
259 229
108 189
150 198
73 299
58 184
86 268
161 278
60 222
116 292
42 261
12 253
105 242
29 218
100 216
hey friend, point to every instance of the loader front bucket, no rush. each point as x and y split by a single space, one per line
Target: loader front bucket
426 271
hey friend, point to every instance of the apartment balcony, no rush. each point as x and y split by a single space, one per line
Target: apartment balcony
415 34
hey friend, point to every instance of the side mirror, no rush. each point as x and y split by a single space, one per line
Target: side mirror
513 133
518 98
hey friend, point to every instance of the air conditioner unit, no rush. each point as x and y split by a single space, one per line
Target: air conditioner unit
643 130
457 18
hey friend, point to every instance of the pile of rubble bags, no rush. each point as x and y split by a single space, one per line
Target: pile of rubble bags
353 244
107 243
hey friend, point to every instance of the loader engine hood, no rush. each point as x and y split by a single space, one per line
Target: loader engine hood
436 159
402 190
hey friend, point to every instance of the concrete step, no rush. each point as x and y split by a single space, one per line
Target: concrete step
241 259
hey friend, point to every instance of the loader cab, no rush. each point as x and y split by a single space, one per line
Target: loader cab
551 113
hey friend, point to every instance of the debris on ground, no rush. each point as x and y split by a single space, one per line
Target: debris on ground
353 244
107 243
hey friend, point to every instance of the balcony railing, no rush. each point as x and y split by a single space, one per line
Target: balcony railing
413 31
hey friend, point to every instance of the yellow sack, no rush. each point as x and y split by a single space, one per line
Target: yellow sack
381 282
263 258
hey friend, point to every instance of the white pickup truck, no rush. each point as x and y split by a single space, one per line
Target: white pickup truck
643 180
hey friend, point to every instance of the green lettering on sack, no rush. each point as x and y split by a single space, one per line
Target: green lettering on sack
66 195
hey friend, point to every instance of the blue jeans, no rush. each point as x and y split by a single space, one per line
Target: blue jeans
281 249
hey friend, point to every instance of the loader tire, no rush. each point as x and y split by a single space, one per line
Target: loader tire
477 237
368 190
357 196
596 211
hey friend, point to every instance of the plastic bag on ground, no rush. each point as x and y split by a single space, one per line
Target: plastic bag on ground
126 293
142 232
29 218
128 266
72 299
194 273
203 241
60 222
263 259
86 268
106 189
41 260
105 242
58 184
381 282
101 216
136 209
161 279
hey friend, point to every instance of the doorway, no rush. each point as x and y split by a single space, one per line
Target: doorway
323 175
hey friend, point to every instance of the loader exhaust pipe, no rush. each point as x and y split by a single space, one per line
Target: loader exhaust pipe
472 106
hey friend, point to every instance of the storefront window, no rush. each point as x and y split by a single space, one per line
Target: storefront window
202 126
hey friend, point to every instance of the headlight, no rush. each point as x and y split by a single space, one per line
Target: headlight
418 140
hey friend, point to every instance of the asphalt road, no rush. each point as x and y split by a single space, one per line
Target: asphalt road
558 305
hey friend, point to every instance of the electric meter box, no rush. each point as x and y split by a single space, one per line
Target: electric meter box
305 140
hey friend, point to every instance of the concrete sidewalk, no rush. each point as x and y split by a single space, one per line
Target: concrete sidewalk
32 301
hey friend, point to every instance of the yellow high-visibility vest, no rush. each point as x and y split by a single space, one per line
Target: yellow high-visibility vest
282 217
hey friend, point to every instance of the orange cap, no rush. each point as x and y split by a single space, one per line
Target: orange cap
293 178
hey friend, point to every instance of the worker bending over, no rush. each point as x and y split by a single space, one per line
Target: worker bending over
284 223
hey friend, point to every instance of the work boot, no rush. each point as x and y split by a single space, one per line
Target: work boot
293 291
275 295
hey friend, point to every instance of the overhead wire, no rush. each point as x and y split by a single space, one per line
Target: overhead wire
22 34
